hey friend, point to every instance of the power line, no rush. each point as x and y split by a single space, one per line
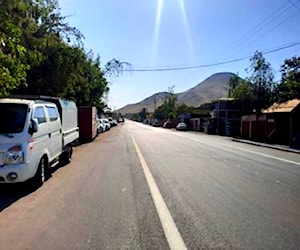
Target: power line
236 46
273 28
294 4
257 29
213 64
260 26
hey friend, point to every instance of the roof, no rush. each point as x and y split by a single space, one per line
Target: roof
285 107
24 101
227 99
222 99
14 100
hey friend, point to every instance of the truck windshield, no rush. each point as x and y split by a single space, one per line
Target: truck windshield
13 117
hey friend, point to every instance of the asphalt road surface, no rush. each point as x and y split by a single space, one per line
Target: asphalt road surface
139 187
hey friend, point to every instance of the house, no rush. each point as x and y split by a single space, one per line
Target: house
278 124
257 128
221 117
196 123
287 118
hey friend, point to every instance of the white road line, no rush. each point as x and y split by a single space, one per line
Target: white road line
245 150
269 156
172 234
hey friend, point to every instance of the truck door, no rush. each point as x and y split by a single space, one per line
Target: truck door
41 138
56 131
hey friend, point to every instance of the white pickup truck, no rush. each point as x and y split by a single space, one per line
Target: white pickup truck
34 133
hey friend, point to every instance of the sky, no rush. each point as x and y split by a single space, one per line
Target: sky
164 34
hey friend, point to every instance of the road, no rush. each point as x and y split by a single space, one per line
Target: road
139 187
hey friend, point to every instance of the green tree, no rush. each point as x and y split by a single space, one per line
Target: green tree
168 108
256 91
114 68
134 117
261 78
13 55
170 103
184 109
142 114
159 112
233 83
289 86
41 54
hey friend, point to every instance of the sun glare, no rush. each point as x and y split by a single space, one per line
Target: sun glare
187 29
156 30
187 33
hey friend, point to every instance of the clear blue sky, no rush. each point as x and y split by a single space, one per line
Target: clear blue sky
174 33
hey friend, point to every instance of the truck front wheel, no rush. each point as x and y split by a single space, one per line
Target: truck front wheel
41 173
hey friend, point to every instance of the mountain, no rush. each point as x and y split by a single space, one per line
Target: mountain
150 103
212 88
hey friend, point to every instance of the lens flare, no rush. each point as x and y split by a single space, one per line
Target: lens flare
187 30
188 37
156 30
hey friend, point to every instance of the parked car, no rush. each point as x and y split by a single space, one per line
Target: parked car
121 119
110 120
100 126
155 124
167 125
114 122
106 124
181 126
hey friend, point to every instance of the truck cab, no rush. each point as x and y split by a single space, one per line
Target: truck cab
30 138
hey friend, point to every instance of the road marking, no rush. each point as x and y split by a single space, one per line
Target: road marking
268 156
245 150
172 234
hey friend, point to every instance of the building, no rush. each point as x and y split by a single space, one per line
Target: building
278 124
225 117
257 128
287 118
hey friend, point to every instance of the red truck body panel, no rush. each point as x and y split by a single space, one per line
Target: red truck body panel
87 123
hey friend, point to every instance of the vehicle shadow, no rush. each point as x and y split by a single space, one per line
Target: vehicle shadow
11 193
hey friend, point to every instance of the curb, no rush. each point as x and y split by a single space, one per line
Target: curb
267 145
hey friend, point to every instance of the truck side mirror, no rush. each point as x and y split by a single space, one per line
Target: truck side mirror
33 126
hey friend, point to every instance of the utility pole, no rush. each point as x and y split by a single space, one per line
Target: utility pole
218 114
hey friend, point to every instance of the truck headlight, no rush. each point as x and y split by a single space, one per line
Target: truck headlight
14 155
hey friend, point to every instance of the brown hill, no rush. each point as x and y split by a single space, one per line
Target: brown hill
150 103
212 88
